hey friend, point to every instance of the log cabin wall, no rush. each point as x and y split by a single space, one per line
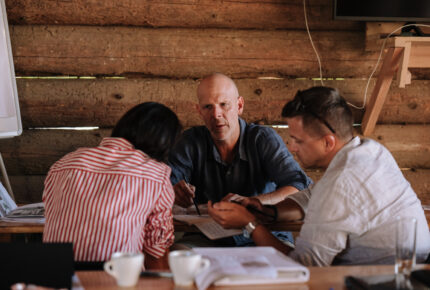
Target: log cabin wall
85 63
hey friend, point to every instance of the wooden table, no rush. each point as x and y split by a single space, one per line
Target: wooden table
290 227
320 278
20 228
32 228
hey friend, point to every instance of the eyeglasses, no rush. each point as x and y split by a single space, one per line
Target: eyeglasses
300 107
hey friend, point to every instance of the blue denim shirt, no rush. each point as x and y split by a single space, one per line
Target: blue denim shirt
261 164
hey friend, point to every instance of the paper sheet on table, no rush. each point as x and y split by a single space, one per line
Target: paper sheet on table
249 265
29 213
207 226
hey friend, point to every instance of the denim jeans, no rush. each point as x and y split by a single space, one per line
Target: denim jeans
241 241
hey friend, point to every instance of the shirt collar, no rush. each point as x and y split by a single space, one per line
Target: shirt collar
242 152
117 143
353 143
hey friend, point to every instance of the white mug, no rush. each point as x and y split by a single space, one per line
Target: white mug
125 268
185 265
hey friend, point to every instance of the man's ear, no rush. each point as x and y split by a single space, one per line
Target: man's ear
240 104
330 142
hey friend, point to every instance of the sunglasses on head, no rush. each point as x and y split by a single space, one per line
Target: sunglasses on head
300 107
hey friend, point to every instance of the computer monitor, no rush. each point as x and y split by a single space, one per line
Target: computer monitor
382 10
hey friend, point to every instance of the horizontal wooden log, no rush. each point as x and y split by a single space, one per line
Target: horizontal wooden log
53 103
274 14
35 151
182 53
29 188
409 144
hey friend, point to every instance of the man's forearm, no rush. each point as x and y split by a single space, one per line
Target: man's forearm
263 237
289 210
277 196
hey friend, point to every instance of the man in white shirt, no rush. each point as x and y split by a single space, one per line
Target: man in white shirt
350 212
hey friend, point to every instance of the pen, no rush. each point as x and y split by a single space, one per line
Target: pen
194 200
197 207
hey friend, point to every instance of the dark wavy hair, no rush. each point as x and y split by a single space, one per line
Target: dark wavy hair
323 109
150 127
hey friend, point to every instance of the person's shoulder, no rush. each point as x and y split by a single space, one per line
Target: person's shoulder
263 135
147 167
260 130
193 132
70 157
363 151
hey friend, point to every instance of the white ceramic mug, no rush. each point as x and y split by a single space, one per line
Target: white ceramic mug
125 267
185 265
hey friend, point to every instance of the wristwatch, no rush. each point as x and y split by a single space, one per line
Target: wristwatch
249 228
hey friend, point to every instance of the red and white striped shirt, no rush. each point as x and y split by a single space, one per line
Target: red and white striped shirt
109 198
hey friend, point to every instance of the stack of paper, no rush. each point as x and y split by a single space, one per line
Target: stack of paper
207 226
249 265
29 213
9 211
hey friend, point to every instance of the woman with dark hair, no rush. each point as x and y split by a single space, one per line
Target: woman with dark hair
117 197
151 128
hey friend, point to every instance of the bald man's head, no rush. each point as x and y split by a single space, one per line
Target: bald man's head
220 106
217 81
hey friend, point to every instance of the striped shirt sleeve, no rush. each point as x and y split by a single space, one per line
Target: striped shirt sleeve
159 226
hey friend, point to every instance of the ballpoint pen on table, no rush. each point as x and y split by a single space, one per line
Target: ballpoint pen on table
197 206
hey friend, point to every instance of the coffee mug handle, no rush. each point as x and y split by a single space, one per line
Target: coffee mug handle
108 268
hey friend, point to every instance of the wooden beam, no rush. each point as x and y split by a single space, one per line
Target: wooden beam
55 103
36 150
403 74
403 50
186 53
377 99
250 14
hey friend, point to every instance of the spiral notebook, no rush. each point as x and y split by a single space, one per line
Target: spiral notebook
249 266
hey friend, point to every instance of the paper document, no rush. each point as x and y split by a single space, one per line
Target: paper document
207 226
6 202
29 213
249 265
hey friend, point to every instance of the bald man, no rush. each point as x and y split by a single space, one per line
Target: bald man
228 156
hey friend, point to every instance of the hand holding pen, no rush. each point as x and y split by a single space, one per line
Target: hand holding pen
193 189
185 194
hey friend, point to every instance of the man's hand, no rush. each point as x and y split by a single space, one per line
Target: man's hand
230 215
234 198
184 193
249 202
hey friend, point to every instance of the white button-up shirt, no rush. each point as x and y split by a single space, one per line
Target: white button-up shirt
351 210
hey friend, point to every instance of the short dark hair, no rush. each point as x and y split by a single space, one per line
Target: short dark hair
150 127
322 109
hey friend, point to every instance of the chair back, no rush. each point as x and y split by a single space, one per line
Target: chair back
42 264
